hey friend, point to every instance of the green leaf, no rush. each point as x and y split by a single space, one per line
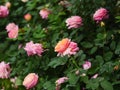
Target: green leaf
21 87
113 45
18 82
100 36
93 84
99 59
49 85
106 85
117 50
39 34
86 44
73 78
107 56
85 79
117 17
107 67
83 56
93 50
57 61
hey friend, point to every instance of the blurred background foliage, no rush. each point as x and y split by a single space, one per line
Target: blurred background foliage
100 45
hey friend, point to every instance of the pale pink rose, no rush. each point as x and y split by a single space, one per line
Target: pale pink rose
20 46
44 13
86 65
11 26
4 70
13 34
3 11
60 81
66 47
74 22
30 80
8 4
100 15
95 76
77 72
13 80
12 30
24 1
33 49
57 87
71 50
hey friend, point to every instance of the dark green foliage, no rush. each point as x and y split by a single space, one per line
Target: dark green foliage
98 44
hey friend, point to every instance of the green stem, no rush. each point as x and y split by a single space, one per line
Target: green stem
74 62
105 34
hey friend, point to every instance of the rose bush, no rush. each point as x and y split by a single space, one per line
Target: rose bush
59 44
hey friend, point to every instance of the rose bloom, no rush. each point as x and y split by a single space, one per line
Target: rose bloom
13 80
100 14
74 22
8 4
20 46
4 70
27 17
86 65
30 80
24 0
13 34
44 13
11 26
33 49
77 72
3 11
60 81
95 76
66 47
12 30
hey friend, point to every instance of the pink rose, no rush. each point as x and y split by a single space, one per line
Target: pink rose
71 50
33 49
44 13
60 81
11 26
13 34
20 46
66 47
12 30
3 11
24 1
100 15
74 22
27 17
95 76
8 4
4 70
86 65
30 80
